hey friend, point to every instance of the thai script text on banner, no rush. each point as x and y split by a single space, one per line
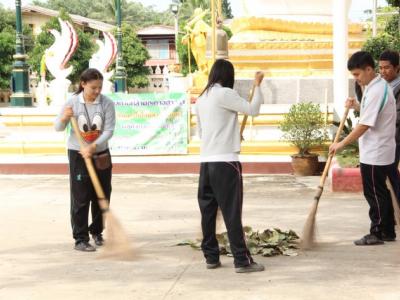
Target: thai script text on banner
150 124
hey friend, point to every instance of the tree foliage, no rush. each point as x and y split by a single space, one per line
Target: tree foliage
79 60
142 16
187 7
7 44
7 47
133 52
134 55
226 9
349 156
183 53
133 13
392 26
376 45
304 126
394 2
388 40
76 7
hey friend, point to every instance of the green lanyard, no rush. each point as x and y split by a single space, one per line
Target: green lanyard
384 98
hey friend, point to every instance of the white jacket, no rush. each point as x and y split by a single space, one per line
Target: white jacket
217 119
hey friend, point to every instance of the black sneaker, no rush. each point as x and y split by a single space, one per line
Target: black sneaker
253 267
98 239
84 246
388 237
213 265
369 240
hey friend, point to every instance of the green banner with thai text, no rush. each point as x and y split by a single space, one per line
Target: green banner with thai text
150 124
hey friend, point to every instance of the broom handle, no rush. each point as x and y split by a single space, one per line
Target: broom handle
330 157
244 121
92 173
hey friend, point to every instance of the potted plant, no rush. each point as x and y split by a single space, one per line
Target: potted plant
304 127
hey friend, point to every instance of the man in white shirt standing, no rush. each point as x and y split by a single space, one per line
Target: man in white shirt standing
389 69
376 134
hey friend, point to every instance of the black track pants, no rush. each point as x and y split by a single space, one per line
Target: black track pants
378 197
83 194
221 184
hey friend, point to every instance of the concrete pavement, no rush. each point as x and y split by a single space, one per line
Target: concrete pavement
37 260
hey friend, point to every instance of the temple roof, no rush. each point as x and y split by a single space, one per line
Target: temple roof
157 30
83 21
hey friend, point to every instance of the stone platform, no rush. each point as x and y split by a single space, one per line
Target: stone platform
185 164
30 145
30 131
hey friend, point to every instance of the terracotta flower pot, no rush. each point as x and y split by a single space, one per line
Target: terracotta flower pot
305 165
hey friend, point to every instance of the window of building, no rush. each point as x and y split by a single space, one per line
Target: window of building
158 49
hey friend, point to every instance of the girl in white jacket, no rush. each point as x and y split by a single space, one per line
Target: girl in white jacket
220 183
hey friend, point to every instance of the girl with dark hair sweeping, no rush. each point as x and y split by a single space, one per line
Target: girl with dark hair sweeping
95 114
220 182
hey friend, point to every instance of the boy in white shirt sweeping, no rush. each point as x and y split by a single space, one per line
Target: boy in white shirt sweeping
376 134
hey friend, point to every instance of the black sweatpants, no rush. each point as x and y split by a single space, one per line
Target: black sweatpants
221 185
378 197
83 194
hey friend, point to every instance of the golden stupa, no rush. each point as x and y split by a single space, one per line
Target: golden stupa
286 38
292 42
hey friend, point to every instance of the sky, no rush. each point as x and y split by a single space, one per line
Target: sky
356 10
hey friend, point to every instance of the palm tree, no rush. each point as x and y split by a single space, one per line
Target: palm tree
188 6
105 10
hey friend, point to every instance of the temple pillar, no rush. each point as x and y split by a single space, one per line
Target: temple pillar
340 54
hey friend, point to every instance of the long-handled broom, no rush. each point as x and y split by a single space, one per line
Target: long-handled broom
309 227
395 202
117 245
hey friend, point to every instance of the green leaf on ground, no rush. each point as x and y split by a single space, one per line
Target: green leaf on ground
270 242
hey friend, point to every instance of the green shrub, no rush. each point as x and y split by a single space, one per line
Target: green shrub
304 127
348 157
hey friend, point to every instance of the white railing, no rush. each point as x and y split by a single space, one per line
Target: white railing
158 79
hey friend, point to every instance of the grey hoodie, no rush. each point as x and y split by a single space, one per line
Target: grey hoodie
96 125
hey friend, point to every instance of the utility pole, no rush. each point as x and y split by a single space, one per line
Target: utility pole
374 26
21 95
120 74
175 10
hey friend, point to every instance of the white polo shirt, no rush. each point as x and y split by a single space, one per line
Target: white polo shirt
378 110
